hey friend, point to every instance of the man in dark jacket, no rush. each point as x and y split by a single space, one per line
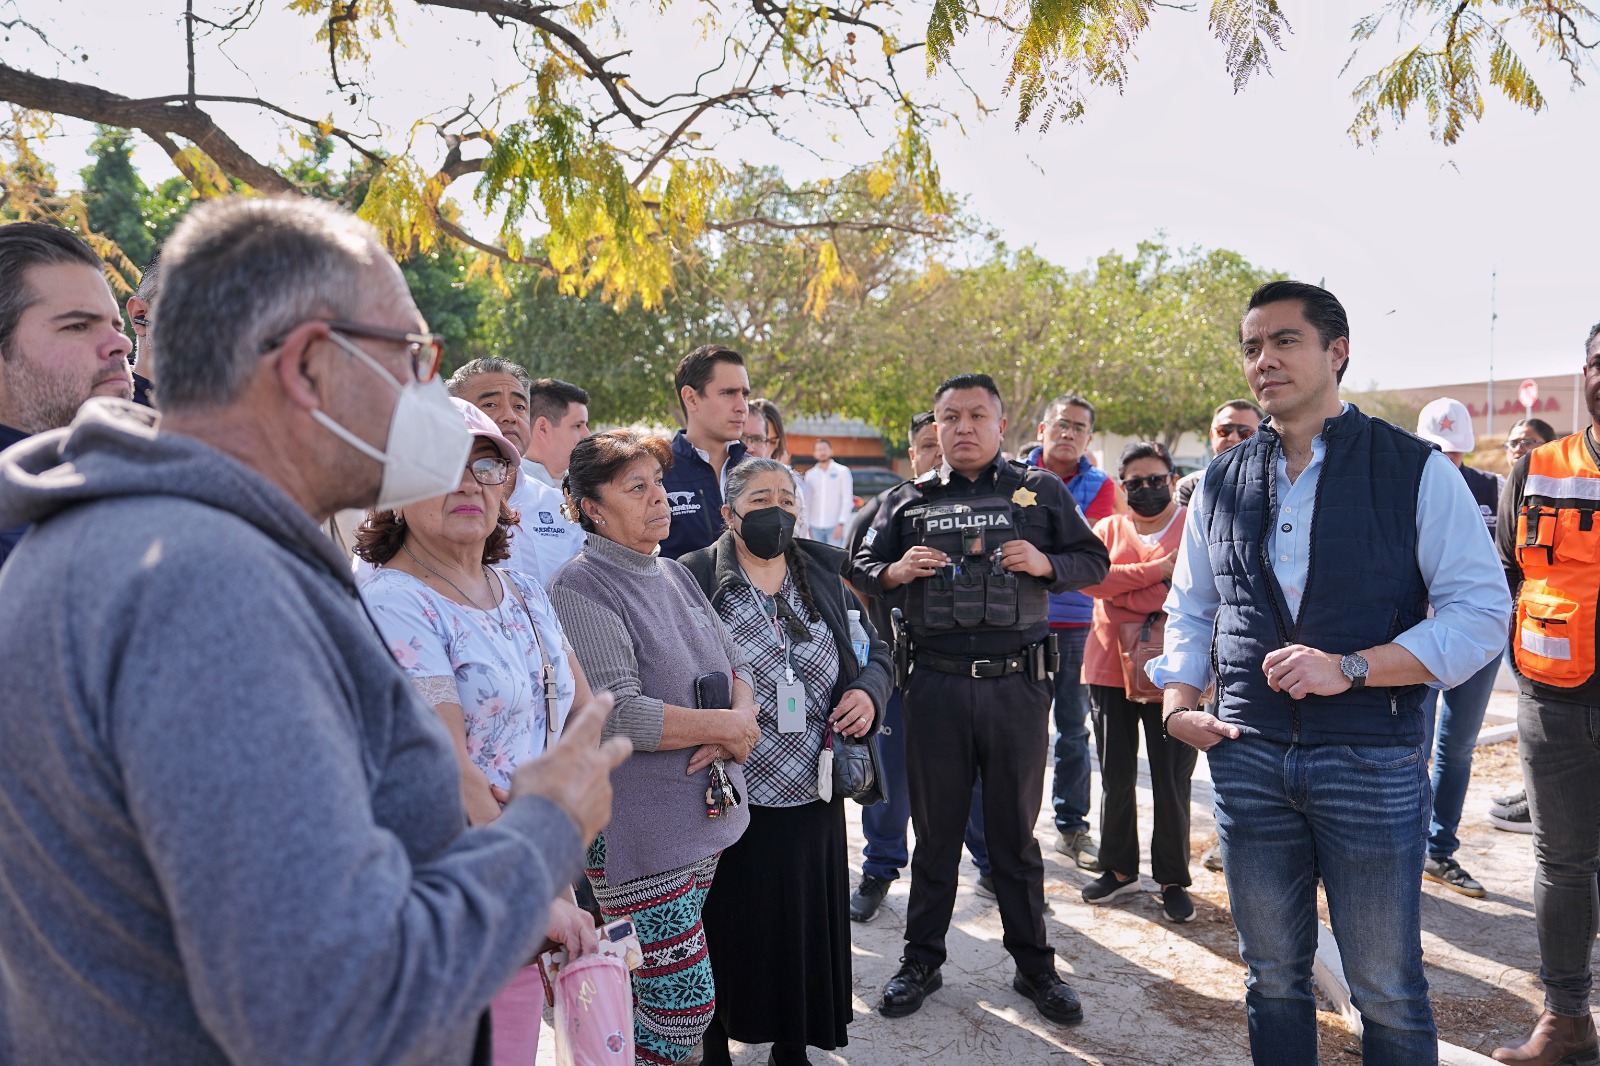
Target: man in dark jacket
61 338
714 398
1312 552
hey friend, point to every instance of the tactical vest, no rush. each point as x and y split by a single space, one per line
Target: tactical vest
973 592
1558 548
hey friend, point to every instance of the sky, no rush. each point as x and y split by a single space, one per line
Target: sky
1407 233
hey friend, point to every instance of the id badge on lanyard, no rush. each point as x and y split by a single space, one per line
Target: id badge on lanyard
791 708
791 703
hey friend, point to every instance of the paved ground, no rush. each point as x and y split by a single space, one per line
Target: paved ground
1156 994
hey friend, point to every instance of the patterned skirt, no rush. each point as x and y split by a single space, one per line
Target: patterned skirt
674 995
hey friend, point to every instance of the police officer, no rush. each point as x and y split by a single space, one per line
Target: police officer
977 545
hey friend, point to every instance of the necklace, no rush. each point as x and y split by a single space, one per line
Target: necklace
499 610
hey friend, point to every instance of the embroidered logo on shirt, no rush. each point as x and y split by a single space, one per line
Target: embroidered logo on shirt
547 518
682 502
1024 498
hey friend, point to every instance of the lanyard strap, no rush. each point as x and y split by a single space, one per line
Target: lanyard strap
547 669
769 607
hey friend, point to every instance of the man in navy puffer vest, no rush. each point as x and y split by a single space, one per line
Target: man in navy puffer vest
1303 589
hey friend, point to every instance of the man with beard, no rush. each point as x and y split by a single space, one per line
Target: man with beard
61 338
1548 536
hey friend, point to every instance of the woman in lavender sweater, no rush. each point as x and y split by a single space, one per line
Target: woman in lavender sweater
644 632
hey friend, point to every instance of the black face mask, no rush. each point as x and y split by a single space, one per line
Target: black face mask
1147 503
766 531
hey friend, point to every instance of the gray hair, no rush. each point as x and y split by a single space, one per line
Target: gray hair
488 364
239 273
23 246
150 280
739 477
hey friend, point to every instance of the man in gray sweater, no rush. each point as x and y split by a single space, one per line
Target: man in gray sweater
229 831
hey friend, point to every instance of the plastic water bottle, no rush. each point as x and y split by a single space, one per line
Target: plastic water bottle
858 637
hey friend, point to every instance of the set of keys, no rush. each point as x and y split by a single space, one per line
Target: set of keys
720 796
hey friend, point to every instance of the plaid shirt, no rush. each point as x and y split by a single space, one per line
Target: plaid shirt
782 769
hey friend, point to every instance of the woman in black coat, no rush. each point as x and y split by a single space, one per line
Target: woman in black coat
777 922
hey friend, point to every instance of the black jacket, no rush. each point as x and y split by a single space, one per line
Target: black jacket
695 495
717 568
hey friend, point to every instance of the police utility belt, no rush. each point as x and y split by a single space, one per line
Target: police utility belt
1034 660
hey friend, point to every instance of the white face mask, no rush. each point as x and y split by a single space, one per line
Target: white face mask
428 442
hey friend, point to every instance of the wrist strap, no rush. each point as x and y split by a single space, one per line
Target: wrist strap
1167 717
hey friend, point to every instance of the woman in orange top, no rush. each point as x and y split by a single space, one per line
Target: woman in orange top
1143 545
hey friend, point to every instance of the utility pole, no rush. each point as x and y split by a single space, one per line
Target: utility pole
1489 424
188 25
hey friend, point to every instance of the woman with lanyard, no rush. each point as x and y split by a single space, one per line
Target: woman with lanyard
1143 546
483 647
777 919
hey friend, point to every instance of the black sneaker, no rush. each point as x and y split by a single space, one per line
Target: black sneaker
1448 872
1513 818
1108 887
1051 995
1176 904
868 898
913 983
985 886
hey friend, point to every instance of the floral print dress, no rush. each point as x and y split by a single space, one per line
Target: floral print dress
487 661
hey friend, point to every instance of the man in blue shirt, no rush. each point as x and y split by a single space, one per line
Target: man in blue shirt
1303 589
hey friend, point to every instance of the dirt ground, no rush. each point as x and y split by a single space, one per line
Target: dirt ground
1157 994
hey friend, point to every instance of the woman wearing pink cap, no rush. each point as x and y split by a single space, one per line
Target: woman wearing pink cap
484 649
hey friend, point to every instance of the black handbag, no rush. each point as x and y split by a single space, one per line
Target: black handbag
857 767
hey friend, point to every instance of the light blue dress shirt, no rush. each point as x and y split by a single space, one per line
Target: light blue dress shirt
1466 586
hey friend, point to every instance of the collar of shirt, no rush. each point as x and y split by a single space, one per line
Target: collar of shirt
540 473
946 472
10 436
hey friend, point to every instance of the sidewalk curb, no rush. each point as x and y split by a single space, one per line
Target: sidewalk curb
1327 974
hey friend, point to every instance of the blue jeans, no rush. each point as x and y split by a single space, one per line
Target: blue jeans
1357 816
825 535
1070 793
1459 721
884 824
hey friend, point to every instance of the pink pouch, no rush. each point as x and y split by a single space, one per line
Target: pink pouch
594 1012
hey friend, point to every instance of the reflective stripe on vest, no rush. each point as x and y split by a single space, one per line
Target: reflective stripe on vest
1558 549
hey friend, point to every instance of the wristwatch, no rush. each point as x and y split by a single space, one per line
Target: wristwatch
1354 667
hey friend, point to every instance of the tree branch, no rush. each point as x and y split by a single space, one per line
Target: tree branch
534 15
255 101
185 120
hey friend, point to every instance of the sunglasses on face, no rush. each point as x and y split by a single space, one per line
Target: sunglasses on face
1521 444
490 470
1154 481
1233 429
